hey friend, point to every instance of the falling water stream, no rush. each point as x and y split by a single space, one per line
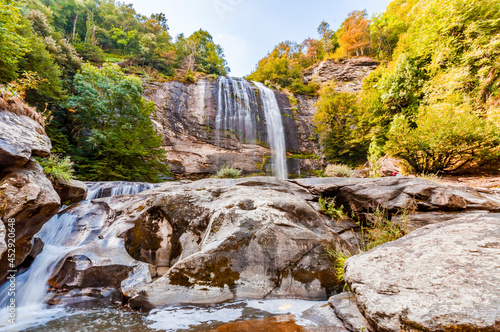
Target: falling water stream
235 115
275 130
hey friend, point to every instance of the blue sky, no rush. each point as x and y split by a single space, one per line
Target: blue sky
248 29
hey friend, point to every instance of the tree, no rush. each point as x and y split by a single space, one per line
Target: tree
353 35
116 139
335 119
13 45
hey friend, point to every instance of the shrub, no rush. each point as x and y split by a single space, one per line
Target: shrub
383 230
445 139
328 207
340 258
339 171
228 173
57 168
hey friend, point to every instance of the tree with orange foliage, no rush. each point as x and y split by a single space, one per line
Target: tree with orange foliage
354 35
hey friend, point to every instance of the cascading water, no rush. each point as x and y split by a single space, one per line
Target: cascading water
234 111
107 189
275 130
235 114
62 234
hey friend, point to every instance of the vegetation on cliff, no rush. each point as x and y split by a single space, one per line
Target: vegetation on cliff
434 102
81 63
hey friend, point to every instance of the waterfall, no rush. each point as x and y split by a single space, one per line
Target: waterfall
234 112
107 189
62 234
275 131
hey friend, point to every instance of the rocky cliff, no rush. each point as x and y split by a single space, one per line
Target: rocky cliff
222 121
348 74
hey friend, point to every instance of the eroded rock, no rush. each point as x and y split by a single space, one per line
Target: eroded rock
214 240
72 191
20 138
345 308
27 196
441 277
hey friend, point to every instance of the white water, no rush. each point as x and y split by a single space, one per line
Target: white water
234 112
60 235
98 189
275 131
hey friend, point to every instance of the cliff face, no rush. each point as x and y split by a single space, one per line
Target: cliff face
348 74
189 119
222 121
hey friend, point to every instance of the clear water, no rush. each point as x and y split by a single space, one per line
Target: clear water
99 317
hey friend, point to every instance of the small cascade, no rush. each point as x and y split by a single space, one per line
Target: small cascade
108 189
62 234
275 131
234 111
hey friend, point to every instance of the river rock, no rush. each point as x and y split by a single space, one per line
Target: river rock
345 308
214 240
27 196
70 192
441 277
397 194
20 138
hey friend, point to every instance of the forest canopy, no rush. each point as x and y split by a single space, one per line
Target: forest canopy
83 64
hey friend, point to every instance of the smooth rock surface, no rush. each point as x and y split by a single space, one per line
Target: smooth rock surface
441 277
27 196
72 191
396 194
345 308
324 318
214 241
20 138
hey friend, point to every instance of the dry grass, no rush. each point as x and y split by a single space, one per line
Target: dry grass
17 106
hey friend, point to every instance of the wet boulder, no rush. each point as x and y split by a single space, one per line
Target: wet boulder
205 242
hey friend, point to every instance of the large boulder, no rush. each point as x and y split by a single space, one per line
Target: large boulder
70 192
27 196
20 138
396 194
208 241
441 277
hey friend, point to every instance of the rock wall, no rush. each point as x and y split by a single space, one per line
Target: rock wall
26 195
186 115
348 74
186 118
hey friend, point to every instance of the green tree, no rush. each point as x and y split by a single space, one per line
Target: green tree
13 45
335 119
116 139
445 140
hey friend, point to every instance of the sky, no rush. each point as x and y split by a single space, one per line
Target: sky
248 29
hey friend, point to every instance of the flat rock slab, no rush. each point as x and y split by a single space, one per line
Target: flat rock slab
396 194
440 277
344 306
20 138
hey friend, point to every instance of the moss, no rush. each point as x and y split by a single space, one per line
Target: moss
215 273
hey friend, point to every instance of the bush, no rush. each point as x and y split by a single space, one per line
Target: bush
57 168
383 230
340 258
228 173
445 139
339 171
